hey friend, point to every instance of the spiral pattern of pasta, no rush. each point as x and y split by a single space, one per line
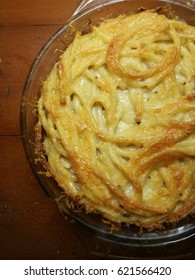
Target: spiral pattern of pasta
116 117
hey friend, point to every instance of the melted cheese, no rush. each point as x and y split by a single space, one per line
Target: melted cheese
118 111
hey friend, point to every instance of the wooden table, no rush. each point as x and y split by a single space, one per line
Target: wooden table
31 226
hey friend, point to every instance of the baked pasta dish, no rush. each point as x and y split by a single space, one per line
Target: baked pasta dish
116 120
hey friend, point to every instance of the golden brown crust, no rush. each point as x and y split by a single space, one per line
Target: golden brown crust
116 120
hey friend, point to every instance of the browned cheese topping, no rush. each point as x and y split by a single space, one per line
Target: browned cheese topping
118 115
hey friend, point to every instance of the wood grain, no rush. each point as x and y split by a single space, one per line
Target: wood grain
19 46
40 12
31 226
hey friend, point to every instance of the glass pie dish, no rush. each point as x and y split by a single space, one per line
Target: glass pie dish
178 240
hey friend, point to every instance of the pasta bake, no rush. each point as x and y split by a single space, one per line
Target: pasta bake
116 120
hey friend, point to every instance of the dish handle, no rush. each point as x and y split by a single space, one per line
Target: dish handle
85 4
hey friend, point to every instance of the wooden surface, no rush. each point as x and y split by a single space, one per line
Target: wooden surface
31 226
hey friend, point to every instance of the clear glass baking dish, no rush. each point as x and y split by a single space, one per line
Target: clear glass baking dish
176 241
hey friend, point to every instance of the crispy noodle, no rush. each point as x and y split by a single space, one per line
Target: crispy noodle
118 115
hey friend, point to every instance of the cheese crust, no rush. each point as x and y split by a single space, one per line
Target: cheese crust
116 120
